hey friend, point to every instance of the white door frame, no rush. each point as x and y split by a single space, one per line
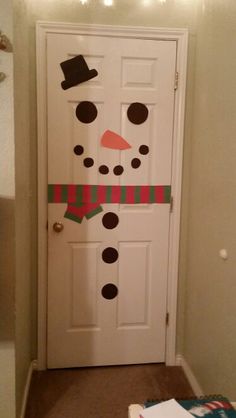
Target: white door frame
181 38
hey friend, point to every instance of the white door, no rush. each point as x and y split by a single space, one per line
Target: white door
107 267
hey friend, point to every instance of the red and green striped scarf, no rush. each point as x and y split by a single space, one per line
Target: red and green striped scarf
85 199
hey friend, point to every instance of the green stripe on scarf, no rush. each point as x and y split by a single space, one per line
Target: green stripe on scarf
73 217
108 194
94 190
151 194
167 194
123 194
51 193
64 193
137 190
94 212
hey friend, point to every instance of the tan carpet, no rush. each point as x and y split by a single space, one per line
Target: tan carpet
102 392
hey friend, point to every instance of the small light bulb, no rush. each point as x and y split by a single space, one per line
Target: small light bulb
83 1
108 2
146 3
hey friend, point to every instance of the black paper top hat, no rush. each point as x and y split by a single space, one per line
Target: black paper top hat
76 71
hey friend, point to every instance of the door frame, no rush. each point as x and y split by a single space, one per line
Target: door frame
181 38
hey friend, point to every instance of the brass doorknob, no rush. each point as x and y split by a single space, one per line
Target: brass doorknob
58 226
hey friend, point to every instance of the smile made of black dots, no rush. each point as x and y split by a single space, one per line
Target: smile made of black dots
118 169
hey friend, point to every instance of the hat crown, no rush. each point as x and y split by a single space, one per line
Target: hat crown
76 71
74 65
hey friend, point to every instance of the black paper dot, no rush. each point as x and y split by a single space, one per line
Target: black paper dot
110 255
88 162
109 291
78 150
103 169
86 112
135 163
144 149
137 113
110 220
118 170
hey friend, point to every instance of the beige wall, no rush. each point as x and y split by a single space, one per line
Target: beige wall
7 172
24 205
7 233
209 338
206 287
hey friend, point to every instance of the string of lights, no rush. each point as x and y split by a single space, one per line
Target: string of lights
112 2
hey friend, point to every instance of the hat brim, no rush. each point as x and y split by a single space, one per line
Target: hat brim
77 79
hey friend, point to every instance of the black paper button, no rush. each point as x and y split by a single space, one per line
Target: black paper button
110 220
109 291
110 255
86 112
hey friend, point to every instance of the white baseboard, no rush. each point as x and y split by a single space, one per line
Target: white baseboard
180 361
33 366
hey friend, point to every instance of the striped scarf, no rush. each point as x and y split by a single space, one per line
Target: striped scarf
84 200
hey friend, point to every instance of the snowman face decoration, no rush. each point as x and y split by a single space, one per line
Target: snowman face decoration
86 112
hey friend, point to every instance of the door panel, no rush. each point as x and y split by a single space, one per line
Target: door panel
105 310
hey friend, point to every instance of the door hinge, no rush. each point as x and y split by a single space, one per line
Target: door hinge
167 318
171 204
176 80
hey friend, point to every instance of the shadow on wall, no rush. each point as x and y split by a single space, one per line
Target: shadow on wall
7 265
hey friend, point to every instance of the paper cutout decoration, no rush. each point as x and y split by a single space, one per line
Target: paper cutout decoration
76 71
78 150
86 112
114 141
118 170
135 163
110 220
76 212
103 169
88 162
85 200
137 113
144 149
110 255
109 291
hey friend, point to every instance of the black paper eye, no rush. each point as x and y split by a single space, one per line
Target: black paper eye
137 113
86 112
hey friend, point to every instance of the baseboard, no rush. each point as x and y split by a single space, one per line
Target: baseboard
180 361
32 367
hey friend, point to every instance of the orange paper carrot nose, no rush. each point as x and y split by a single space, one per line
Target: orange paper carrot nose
112 140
